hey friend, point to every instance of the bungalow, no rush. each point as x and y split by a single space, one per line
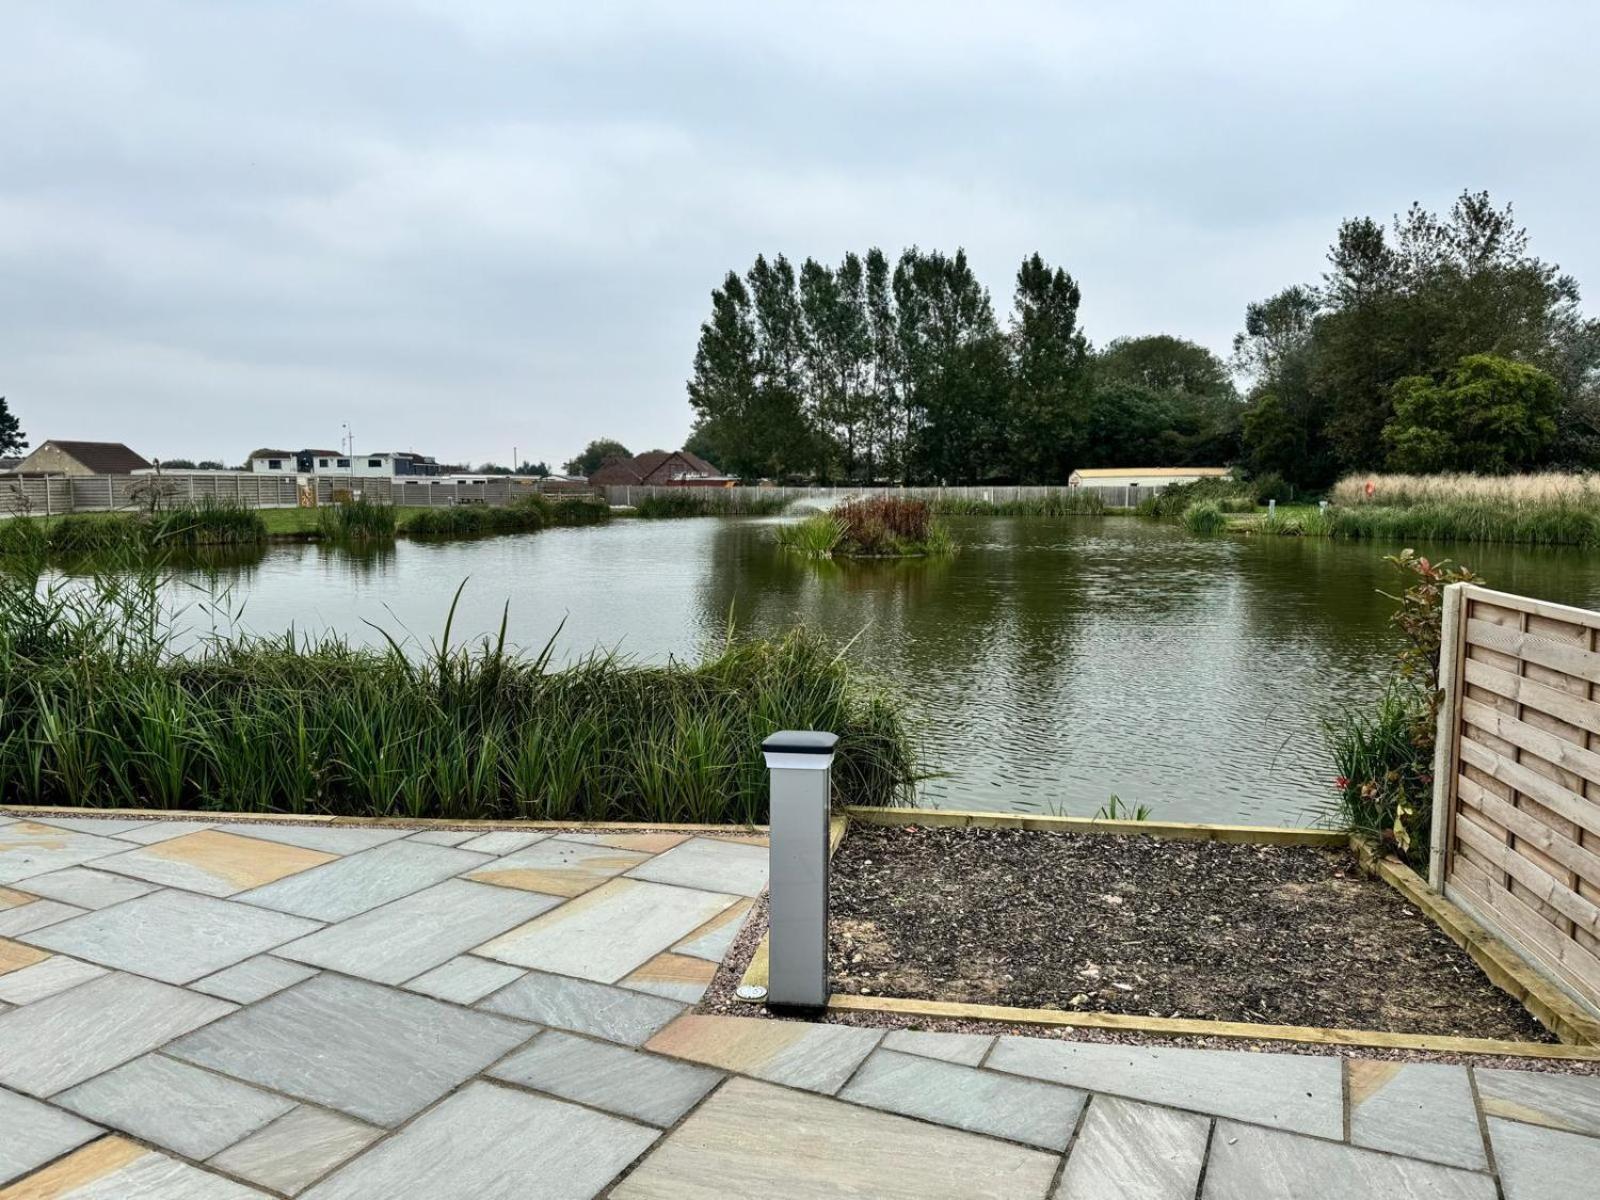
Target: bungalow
81 458
336 462
1154 478
662 468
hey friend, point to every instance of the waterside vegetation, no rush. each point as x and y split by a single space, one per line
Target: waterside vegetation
880 527
96 709
706 502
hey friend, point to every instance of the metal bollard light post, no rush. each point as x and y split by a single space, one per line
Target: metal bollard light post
800 763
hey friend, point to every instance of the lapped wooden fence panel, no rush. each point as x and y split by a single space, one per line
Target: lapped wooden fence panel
1516 820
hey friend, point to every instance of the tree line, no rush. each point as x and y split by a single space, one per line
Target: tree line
1436 343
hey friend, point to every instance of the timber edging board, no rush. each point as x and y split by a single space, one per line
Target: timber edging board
1579 1034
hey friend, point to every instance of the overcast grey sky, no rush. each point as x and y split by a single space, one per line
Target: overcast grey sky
468 225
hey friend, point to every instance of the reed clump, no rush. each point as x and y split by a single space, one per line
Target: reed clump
880 527
1205 517
527 515
706 502
1069 503
97 709
81 535
1541 490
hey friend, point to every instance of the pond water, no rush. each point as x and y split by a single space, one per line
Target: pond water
1054 662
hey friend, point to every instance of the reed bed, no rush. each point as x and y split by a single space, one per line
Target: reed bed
1205 517
706 502
528 515
97 710
879 527
84 534
1532 525
359 520
1546 489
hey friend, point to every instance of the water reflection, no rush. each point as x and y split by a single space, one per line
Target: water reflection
1055 661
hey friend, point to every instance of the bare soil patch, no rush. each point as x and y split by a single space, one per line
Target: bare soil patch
1284 935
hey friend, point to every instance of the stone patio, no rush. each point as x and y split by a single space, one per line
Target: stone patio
194 1011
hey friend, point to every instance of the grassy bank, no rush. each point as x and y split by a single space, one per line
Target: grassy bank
83 534
1556 524
1061 504
96 710
1546 489
706 502
882 527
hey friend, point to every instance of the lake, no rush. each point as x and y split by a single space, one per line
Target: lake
1054 662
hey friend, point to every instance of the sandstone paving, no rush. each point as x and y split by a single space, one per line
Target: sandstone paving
713 940
614 1014
442 837
1421 1110
254 979
329 839
1249 1162
968 1049
33 1133
678 977
45 978
1538 1163
50 1045
1567 1102
25 918
818 1058
465 979
88 888
558 867
358 882
214 862
488 1142
375 1053
29 848
173 936
1131 1151
753 1139
627 1082
502 842
114 1168
710 864
175 1105
1287 1091
297 1149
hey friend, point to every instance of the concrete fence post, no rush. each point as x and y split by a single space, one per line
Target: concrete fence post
800 763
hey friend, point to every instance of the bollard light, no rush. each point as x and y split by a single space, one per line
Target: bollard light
800 763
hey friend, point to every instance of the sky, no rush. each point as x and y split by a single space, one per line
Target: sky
468 227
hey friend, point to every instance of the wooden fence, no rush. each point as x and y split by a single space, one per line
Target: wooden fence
1114 497
1516 813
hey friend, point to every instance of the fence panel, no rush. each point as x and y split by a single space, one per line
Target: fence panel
1516 818
1114 497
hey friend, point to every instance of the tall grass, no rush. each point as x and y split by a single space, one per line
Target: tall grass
97 709
1227 494
879 527
1205 517
706 502
358 520
81 535
1069 503
1560 524
817 536
1550 488
526 515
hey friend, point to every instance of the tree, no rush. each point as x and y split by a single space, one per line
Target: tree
595 455
1167 364
12 439
176 464
491 468
539 470
1161 400
1049 402
1487 415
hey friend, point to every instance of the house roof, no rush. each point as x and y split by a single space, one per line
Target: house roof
268 452
102 458
641 468
1159 472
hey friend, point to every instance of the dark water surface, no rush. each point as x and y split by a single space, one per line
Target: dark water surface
1055 661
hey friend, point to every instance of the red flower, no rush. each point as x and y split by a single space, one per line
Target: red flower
1341 782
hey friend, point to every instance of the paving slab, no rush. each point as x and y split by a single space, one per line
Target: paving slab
46 978
627 1082
114 1168
25 918
374 1053
607 933
99 826
615 1014
88 888
176 937
31 1134
254 979
413 935
1536 1163
358 882
174 1105
818 1058
442 837
11 898
712 940
642 843
14 956
558 868
1131 1151
49 1046
465 979
213 862
330 839
1570 1102
1005 1106
710 865
967 1049
28 848
147 833
1420 1110
1251 1163
297 1149
502 842
476 1146
743 1142
1285 1091
675 976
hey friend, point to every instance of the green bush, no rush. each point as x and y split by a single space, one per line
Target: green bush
1172 501
1269 487
1205 517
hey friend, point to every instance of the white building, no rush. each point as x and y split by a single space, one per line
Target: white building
1154 478
383 464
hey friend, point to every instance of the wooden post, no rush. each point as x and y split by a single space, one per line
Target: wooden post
1452 650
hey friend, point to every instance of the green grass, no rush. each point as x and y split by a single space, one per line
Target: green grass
97 710
80 535
1061 504
528 515
359 520
706 502
1205 517
816 536
1545 524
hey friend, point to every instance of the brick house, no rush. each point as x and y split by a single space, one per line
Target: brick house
662 468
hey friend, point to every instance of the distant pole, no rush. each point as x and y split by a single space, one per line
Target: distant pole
800 763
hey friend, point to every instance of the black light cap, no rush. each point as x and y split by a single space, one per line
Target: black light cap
800 741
